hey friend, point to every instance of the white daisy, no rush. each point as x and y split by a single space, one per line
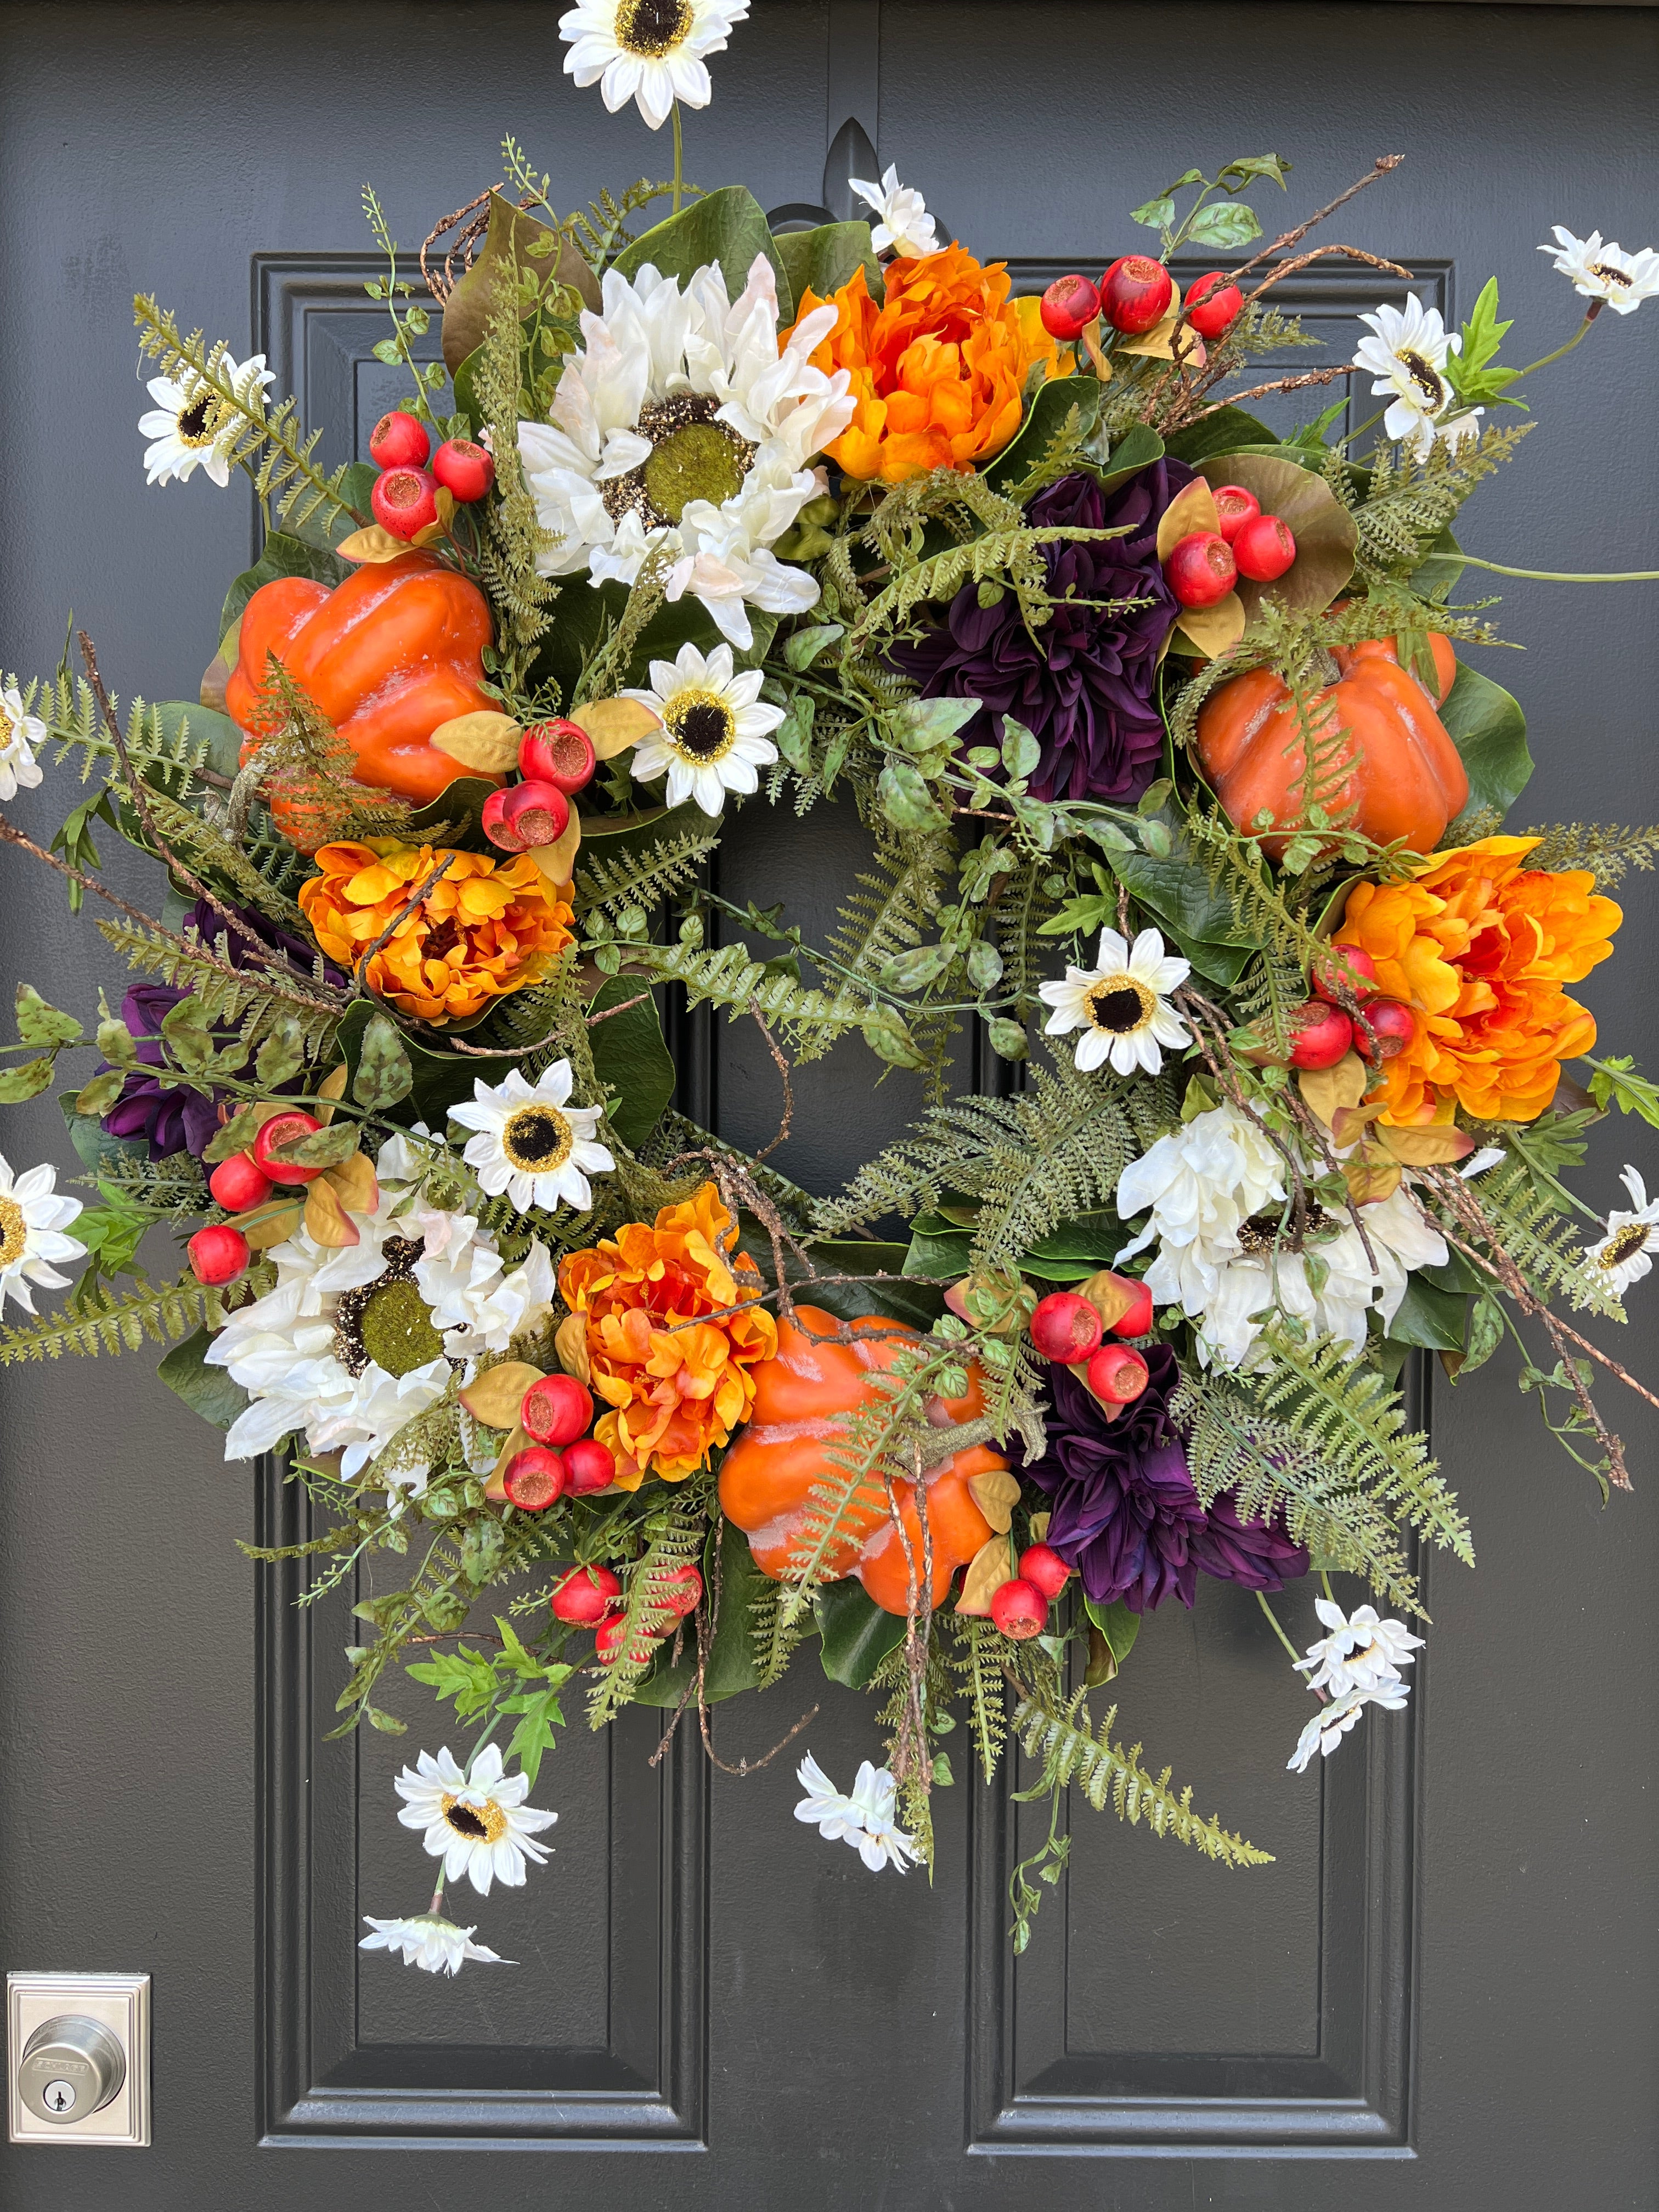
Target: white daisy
715 734
1120 1005
1621 1256
531 1144
681 429
479 1302
905 223
20 734
648 51
32 1219
1605 272
864 1820
1362 1652
1407 354
429 1942
190 425
1332 1722
478 1824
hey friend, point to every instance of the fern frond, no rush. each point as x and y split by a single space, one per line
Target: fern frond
973 1657
673 1533
641 879
730 977
108 1322
1603 847
1410 502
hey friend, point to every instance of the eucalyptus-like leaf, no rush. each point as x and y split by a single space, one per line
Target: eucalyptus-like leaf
40 1023
282 1053
385 1073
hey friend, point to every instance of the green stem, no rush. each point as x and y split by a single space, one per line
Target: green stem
436 1905
1325 1580
678 159
1544 360
1295 1655
1562 575
1365 426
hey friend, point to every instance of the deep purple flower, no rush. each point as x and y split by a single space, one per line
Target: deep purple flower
1083 684
1125 1513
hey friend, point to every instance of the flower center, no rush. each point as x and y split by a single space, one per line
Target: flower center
652 28
14 1232
692 456
1625 1246
1119 1005
700 726
1269 1232
387 1323
479 1824
537 1139
1608 274
193 421
1428 380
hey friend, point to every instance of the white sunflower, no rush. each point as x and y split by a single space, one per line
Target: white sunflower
902 222
478 1823
1121 1003
715 735
864 1820
1362 1651
32 1219
21 734
648 51
681 429
429 1942
1407 354
1605 272
1620 1258
531 1144
190 425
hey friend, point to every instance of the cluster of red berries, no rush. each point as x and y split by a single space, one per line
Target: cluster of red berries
1134 296
556 1414
405 498
555 760
591 1597
1323 1029
219 1254
1203 566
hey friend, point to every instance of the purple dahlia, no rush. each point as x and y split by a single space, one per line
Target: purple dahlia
1125 1514
1083 684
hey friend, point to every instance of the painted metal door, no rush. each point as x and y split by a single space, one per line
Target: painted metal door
1443 1990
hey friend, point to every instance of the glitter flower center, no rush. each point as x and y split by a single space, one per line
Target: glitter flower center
479 1824
387 1323
1608 274
700 726
194 421
1625 1246
1119 1006
537 1139
652 29
692 456
14 1232
1428 380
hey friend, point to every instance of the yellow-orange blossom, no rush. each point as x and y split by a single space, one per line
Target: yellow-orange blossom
1479 947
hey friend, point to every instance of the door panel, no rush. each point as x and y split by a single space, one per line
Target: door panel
1446 1980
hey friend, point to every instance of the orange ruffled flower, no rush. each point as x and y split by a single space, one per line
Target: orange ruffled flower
675 1394
485 928
1479 947
937 370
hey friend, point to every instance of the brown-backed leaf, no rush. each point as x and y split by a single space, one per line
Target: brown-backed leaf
1323 529
495 1489
354 1183
1349 1123
510 235
327 1221
1435 1146
558 862
1210 631
613 725
996 1493
1326 1090
570 1342
1370 1177
1111 1296
332 1086
1192 508
495 1397
482 740
275 1225
214 678
371 544
1159 343
991 1566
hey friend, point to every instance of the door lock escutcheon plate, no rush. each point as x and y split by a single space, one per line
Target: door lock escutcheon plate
78 2058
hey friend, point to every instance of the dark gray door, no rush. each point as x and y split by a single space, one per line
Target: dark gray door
1443 1992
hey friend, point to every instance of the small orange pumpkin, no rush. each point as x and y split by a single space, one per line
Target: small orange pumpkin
802 1398
394 651
1397 770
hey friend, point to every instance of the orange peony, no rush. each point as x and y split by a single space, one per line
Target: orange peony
939 369
1479 947
486 927
675 1394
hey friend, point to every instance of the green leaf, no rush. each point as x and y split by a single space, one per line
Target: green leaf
283 555
282 1055
1257 165
984 964
383 1074
1007 1038
1224 432
1154 214
511 235
1079 1249
1056 403
27 1081
40 1024
1177 890
442 1080
320 1148
1434 1319
97 1096
1616 1082
823 259
905 800
1224 223
206 1390
1117 1624
630 1056
802 648
728 227
914 970
469 1677
1021 752
539 1713
1489 730
857 1635
938 1248
919 724
1486 1330
1137 449
1471 372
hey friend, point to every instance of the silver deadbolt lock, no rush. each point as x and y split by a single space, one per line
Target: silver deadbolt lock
72 2067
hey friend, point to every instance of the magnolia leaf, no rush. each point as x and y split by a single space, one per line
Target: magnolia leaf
40 1024
1432 1147
1324 530
1326 1091
613 725
1116 1624
570 1343
511 235
96 1096
327 1220
215 687
991 1566
483 740
206 1390
1434 1319
855 1634
273 1226
558 862
996 1493
1370 1177
1159 343
727 226
1111 1296
823 259
1212 629
282 1053
332 1086
354 1183
318 1148
1489 730
372 544
383 1071
1192 508
497 1394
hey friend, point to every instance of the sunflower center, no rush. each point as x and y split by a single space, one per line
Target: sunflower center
1625 1246
537 1139
1427 379
692 456
479 1824
1608 274
193 421
1119 1005
700 726
652 28
14 1232
1267 1233
387 1323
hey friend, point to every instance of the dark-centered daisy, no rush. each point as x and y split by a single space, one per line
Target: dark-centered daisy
1120 1005
1406 353
532 1143
477 1823
648 51
1621 1257
715 735
191 427
1605 272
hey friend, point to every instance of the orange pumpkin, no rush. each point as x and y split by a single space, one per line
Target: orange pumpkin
394 651
802 1398
1396 768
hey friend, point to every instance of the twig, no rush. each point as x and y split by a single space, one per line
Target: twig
593 1020
782 1065
1381 167
1278 384
1352 252
416 898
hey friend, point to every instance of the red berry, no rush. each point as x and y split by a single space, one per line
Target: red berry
585 1596
1069 306
1350 973
1200 570
1392 1026
683 1589
399 441
528 814
1019 1609
556 1410
284 1129
1065 1327
559 753
535 1478
239 1183
1116 1374
1235 507
1045 1571
405 501
589 1466
217 1256
464 469
1320 1033
608 1641
1136 1319
1264 548
1214 304
1135 293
